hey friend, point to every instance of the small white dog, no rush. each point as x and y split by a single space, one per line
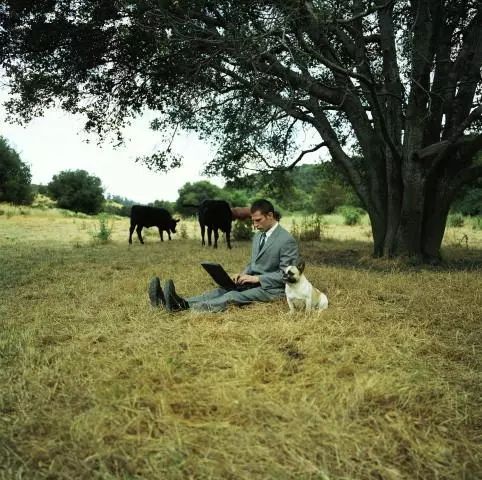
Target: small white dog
300 292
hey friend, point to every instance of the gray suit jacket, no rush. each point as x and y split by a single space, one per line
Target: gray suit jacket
279 251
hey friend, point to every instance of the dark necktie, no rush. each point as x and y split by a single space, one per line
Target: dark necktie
262 240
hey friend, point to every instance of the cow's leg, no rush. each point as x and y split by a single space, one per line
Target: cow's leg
139 230
203 231
160 234
131 231
216 236
210 233
228 238
169 234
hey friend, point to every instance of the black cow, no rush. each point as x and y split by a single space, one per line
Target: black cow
151 217
215 215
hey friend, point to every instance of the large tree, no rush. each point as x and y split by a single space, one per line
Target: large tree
395 82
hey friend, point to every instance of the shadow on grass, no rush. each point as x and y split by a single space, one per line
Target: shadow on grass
359 255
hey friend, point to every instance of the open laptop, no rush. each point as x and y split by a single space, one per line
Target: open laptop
222 278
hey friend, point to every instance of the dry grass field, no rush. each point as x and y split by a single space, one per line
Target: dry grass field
384 385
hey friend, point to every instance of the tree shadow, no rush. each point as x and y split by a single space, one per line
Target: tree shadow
354 254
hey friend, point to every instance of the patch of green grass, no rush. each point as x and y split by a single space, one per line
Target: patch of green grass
97 385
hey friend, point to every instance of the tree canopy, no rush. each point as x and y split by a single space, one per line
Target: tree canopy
15 176
78 191
393 82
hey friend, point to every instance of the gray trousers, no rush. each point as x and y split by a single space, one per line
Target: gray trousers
219 299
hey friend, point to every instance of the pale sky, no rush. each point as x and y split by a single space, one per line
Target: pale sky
55 142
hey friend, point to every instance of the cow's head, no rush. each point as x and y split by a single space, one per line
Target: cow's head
173 224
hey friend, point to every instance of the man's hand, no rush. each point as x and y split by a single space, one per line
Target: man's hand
243 278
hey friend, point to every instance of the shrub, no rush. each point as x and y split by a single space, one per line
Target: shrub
351 215
310 228
477 223
104 232
455 220
242 230
43 202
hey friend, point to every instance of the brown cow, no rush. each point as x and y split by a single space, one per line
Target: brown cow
241 213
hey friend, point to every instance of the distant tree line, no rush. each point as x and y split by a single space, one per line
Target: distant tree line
315 188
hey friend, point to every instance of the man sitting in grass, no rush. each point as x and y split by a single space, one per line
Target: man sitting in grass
273 249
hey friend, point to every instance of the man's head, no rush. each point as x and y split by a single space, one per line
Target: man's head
263 215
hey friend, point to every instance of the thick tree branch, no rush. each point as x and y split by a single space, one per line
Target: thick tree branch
303 153
474 115
464 75
365 13
443 149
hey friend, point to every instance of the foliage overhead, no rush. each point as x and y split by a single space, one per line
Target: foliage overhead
393 82
15 176
77 191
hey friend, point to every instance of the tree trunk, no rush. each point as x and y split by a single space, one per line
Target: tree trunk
417 211
434 228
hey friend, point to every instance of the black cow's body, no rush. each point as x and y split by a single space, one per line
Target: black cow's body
215 215
151 217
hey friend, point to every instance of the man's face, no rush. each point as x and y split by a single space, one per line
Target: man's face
261 221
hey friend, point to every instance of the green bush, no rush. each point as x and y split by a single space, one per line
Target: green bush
43 202
351 215
455 220
104 231
477 223
242 230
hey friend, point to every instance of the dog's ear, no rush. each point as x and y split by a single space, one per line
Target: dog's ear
301 265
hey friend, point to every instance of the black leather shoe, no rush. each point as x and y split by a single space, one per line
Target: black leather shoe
174 302
156 295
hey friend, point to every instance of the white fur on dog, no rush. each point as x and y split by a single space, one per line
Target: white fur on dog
300 293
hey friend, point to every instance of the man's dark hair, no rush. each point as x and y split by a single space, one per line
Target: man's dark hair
263 206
